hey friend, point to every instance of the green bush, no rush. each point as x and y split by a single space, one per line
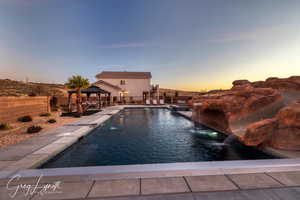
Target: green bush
45 114
4 126
34 129
26 118
51 121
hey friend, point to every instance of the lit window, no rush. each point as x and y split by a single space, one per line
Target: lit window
122 82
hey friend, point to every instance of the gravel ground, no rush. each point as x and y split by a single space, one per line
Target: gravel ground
18 131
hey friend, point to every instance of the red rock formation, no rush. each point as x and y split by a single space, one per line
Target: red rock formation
280 132
259 132
220 110
287 136
291 83
248 110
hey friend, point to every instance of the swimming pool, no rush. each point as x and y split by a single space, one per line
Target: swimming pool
151 135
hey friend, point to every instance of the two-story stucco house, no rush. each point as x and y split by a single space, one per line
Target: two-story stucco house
125 85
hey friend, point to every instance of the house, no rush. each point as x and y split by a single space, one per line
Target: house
128 86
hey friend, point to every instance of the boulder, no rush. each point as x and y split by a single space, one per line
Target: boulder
241 85
240 82
287 136
286 139
281 132
260 132
289 116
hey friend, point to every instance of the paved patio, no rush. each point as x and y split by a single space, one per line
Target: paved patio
274 185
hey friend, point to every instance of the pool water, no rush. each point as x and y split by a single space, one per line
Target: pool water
144 136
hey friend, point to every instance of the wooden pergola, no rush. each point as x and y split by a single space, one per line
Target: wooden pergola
92 90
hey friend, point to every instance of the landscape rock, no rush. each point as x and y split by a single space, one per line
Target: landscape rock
222 109
258 113
259 132
291 83
287 136
289 116
240 82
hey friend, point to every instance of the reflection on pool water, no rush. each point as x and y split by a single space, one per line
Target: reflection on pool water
144 136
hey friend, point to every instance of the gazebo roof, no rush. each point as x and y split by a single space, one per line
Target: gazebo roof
91 90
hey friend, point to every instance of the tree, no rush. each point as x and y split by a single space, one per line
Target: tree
78 83
176 93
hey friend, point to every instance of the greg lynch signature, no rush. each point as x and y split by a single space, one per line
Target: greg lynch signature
30 189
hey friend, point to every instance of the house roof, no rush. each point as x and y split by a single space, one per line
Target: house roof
92 89
125 75
107 84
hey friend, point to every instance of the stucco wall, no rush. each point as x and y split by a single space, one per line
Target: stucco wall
134 87
114 92
11 108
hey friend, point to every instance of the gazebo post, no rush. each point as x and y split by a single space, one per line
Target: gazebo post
99 100
105 97
88 96
69 101
109 99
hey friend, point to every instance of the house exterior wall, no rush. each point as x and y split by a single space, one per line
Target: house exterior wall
134 87
113 92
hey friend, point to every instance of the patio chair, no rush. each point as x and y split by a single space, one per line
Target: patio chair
181 102
154 101
147 102
161 101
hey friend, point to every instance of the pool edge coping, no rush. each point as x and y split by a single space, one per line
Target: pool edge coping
165 169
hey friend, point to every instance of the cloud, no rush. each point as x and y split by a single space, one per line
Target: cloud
126 45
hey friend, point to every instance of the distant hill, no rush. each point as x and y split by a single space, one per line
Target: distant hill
18 88
171 92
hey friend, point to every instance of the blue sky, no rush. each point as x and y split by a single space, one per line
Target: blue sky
191 44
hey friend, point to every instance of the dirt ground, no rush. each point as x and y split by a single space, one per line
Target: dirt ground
18 131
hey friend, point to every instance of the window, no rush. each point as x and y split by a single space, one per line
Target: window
122 82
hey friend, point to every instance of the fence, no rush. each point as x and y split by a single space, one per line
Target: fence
11 108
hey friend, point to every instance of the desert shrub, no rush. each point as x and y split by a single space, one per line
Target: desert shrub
32 94
51 121
53 101
77 115
45 114
56 108
26 118
34 129
4 126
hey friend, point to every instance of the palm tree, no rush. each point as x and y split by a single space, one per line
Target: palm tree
78 83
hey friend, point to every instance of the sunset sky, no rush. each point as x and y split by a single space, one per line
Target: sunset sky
186 44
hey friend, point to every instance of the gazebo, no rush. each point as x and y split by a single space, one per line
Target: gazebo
91 90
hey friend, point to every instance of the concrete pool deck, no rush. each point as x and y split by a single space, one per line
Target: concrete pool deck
87 183
180 180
